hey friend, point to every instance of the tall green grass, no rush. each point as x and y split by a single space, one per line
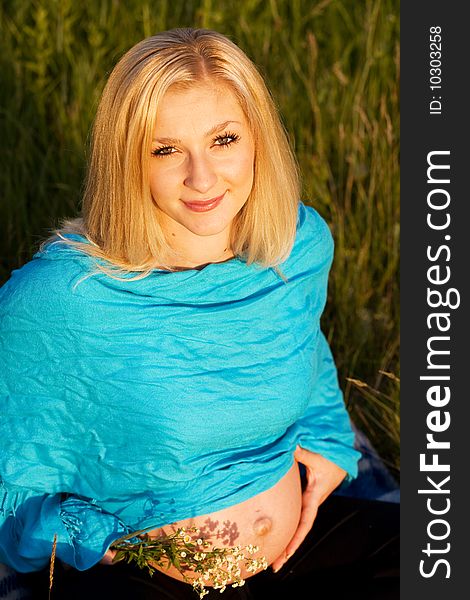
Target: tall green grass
332 66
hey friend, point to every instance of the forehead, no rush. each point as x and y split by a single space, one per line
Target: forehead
197 109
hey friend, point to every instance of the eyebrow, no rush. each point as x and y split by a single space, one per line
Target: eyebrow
214 129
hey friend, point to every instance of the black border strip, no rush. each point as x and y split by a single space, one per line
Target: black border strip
436 133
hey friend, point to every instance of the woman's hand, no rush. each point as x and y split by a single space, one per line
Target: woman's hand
323 476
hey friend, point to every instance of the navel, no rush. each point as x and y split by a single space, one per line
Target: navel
262 526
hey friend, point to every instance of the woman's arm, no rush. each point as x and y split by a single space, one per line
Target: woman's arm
28 524
325 446
325 427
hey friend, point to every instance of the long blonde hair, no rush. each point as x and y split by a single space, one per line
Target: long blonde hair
118 216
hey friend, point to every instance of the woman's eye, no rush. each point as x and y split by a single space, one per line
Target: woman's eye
226 139
165 151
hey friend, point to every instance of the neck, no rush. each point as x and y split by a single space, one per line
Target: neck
189 250
180 261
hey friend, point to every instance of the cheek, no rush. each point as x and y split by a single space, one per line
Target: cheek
163 184
241 171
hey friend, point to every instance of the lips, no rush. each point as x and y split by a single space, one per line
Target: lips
204 205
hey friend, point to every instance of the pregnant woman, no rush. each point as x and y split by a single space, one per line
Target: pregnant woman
162 360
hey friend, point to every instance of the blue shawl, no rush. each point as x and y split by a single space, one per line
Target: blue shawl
133 404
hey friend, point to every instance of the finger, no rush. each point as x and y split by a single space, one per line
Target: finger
277 564
292 547
303 456
307 517
328 474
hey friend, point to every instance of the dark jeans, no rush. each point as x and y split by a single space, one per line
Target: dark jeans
351 552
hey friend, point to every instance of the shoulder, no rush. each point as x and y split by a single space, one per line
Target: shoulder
312 252
313 246
312 228
43 285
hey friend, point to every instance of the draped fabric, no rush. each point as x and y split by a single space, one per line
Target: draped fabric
132 404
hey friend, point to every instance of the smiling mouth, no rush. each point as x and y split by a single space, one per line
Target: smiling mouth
204 205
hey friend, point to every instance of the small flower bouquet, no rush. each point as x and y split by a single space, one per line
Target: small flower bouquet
187 552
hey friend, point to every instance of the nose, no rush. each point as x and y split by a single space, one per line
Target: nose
201 176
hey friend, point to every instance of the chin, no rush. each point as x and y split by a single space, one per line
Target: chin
205 224
209 229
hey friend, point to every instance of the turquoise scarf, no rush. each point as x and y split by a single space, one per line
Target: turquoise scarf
133 404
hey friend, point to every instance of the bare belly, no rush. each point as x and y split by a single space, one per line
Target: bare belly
268 520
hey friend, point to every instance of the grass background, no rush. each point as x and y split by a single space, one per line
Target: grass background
333 68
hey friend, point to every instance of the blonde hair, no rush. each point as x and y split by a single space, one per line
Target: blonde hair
119 218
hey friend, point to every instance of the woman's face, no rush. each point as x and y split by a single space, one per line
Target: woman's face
201 168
